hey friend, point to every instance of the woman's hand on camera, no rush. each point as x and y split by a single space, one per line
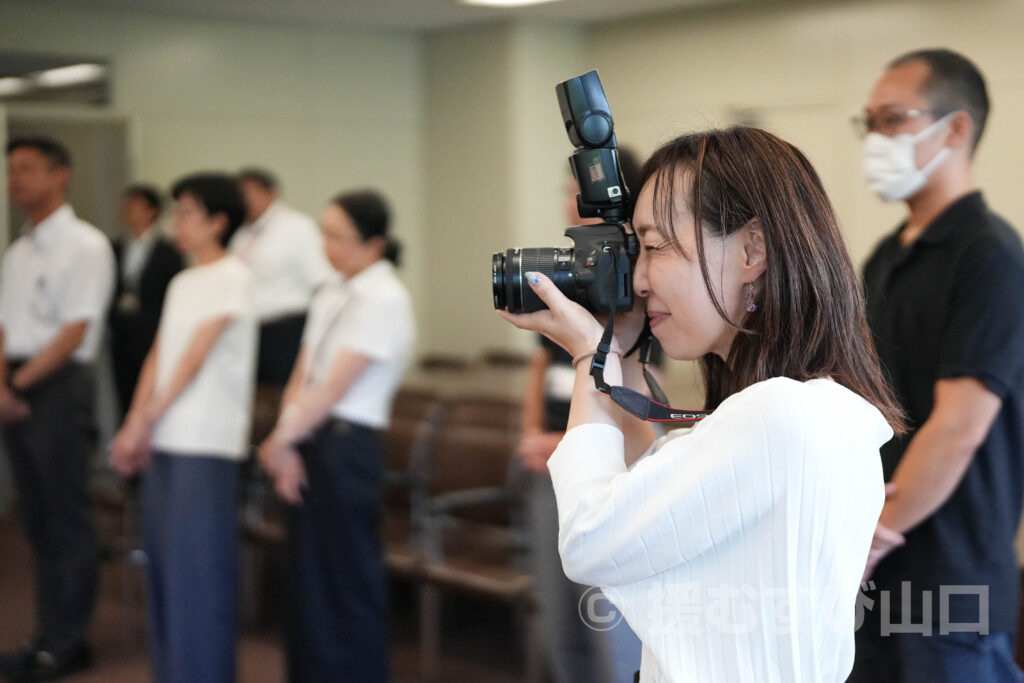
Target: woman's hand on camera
565 322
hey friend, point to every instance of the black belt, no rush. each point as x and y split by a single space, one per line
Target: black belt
342 427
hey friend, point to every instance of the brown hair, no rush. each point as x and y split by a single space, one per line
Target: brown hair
810 320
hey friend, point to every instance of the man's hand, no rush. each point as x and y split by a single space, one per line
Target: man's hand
12 408
884 542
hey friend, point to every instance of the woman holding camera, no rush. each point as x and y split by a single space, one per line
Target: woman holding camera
325 456
735 548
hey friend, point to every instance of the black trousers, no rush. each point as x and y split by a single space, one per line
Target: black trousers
337 587
50 454
279 347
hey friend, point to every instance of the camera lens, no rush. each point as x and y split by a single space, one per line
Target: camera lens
498 280
509 286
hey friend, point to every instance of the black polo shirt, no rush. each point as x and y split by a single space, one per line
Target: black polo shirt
952 305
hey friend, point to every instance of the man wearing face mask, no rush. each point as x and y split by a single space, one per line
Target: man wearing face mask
945 298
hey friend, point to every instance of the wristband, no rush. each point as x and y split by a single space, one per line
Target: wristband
590 354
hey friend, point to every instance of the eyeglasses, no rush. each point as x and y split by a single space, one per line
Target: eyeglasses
889 122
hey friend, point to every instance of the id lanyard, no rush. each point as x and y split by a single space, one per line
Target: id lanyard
633 402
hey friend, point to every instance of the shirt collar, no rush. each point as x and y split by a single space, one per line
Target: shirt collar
950 223
261 222
368 278
45 232
148 235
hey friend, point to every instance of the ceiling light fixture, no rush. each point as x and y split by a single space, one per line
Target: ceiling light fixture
13 86
76 74
504 3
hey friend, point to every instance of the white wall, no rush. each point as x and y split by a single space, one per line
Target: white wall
804 69
327 109
496 161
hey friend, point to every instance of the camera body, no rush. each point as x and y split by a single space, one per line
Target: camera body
597 271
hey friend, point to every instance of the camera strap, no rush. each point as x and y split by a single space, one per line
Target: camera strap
633 402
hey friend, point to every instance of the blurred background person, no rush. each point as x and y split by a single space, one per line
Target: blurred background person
55 286
146 262
574 651
284 249
945 300
188 429
325 455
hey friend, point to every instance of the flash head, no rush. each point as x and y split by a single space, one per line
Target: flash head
585 111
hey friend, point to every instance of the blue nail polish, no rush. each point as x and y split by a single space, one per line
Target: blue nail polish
533 278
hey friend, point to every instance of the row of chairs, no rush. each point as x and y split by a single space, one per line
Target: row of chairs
453 516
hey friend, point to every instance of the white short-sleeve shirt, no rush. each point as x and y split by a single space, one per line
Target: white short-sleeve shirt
285 251
734 549
212 415
370 314
60 271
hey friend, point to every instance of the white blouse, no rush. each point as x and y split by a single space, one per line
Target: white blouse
734 549
370 314
211 417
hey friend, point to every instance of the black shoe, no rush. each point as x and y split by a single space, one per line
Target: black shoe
48 666
14 664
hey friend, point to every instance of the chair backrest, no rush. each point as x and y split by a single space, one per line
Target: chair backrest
416 403
444 361
482 410
505 358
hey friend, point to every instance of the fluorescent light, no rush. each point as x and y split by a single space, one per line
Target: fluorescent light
504 3
76 74
13 86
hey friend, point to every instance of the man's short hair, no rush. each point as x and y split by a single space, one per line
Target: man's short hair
954 83
260 176
146 193
218 193
54 152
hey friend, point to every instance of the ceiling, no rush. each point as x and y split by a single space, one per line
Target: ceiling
391 14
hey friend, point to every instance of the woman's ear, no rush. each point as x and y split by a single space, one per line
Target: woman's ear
219 223
755 258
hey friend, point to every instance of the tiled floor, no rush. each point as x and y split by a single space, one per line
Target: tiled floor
481 642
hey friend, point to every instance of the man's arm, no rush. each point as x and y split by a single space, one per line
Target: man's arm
939 454
52 357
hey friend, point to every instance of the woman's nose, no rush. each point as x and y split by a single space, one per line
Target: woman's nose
641 287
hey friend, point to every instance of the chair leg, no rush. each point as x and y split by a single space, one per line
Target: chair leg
430 631
532 646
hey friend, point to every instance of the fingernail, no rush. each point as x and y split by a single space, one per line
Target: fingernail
533 278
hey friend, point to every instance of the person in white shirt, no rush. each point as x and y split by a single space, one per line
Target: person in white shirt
324 454
146 262
285 251
55 286
734 548
188 430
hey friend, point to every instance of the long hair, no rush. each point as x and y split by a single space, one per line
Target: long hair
810 320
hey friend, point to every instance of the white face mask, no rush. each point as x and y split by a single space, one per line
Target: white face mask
890 166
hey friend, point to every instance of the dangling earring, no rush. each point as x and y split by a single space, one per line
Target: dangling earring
751 306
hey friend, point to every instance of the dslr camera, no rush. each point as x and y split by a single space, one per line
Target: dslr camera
596 272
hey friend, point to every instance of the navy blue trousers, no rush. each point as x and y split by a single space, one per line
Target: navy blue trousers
337 586
917 658
190 530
